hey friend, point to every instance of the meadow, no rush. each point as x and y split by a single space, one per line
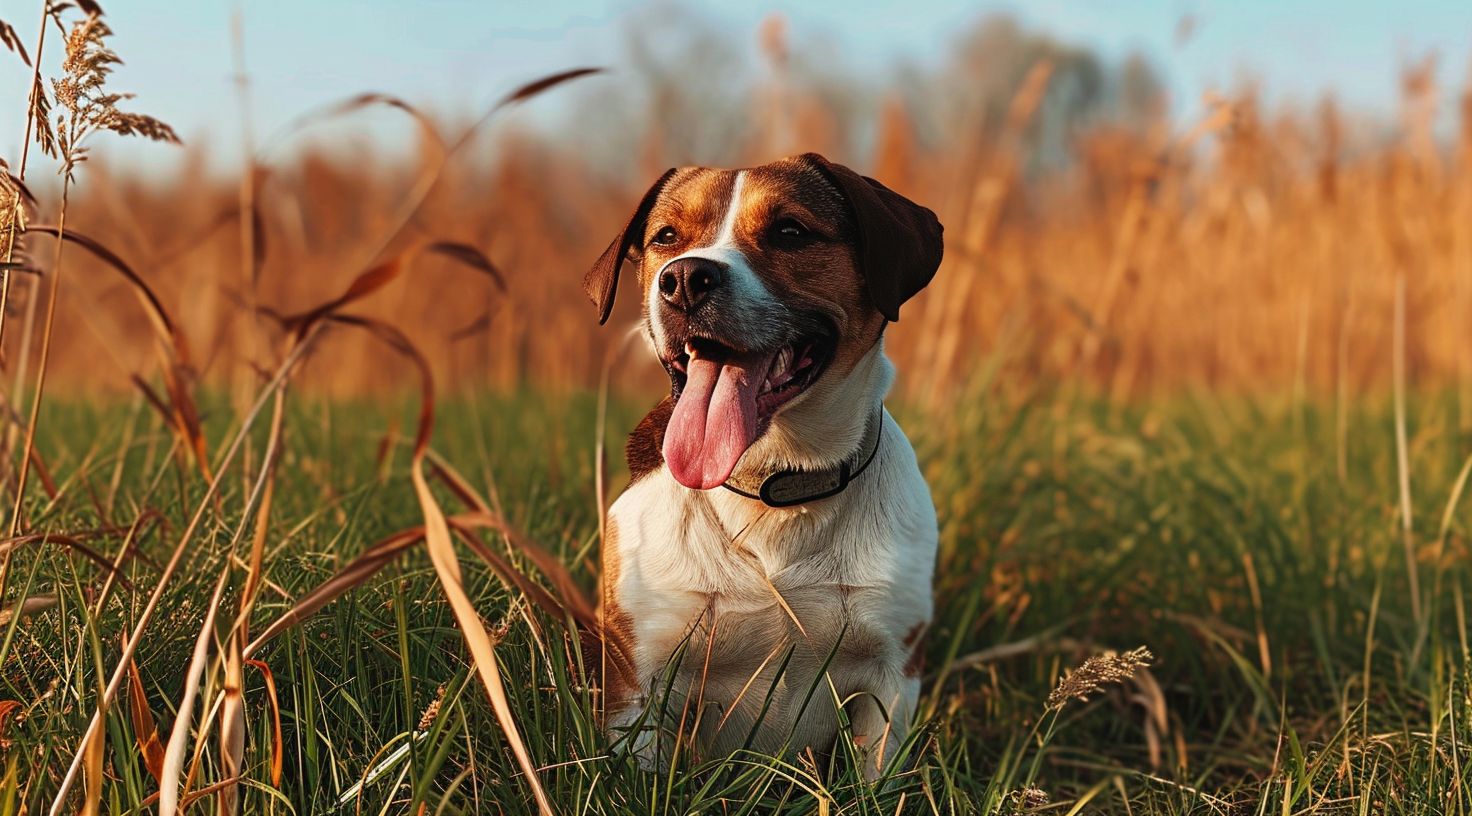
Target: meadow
1293 672
303 466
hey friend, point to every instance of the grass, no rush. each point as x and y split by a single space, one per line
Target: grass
1291 673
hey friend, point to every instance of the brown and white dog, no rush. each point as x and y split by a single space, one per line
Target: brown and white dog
771 560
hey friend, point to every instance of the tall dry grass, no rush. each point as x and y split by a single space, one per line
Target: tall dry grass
1252 250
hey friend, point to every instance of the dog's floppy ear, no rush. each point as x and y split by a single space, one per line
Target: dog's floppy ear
601 282
899 241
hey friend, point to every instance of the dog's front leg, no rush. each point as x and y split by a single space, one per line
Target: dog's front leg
635 731
880 717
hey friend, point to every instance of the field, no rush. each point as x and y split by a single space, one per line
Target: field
1292 672
303 466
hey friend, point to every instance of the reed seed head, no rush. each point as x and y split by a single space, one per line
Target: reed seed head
1097 672
1028 799
432 710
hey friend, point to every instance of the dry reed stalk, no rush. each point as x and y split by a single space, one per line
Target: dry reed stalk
71 542
232 711
94 753
1402 452
1462 254
179 410
230 702
145 616
128 549
232 724
34 110
427 180
436 534
80 91
986 206
29 446
1131 225
983 215
35 93
385 551
354 574
144 728
252 250
278 751
612 357
1264 653
441 549
170 783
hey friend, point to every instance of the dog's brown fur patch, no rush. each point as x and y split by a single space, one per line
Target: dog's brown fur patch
612 655
821 276
916 662
692 204
644 451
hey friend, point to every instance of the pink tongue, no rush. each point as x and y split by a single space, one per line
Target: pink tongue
714 421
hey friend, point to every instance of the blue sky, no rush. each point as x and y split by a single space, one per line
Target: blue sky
454 55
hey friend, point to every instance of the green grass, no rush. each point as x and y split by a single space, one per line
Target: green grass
1293 674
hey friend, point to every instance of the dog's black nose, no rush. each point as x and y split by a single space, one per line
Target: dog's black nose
685 282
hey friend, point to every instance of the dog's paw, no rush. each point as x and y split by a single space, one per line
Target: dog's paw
635 735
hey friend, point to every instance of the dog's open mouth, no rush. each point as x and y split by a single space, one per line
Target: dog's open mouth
725 399
788 373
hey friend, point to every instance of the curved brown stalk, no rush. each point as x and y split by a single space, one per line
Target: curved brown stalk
441 549
173 348
145 616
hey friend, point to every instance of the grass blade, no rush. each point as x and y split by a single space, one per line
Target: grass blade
546 83
277 752
144 729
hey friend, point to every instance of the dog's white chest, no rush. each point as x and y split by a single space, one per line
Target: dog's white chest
747 597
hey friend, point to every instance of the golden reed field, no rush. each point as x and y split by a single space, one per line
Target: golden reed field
1252 249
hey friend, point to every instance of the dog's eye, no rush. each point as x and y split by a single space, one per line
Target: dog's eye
666 236
788 232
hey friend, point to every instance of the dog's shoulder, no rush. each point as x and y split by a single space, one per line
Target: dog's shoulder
644 450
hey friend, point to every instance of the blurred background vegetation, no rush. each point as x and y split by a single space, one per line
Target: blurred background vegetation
1092 236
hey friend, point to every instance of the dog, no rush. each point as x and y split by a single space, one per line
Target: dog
770 562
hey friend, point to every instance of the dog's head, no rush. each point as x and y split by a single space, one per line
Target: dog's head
759 283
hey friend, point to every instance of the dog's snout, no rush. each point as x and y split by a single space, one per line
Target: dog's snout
684 283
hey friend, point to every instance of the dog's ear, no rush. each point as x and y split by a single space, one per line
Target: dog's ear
898 242
601 282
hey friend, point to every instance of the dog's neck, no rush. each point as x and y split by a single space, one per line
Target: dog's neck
826 425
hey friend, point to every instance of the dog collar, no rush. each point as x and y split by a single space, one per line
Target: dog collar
788 488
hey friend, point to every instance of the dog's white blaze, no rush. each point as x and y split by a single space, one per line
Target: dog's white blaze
753 306
727 234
